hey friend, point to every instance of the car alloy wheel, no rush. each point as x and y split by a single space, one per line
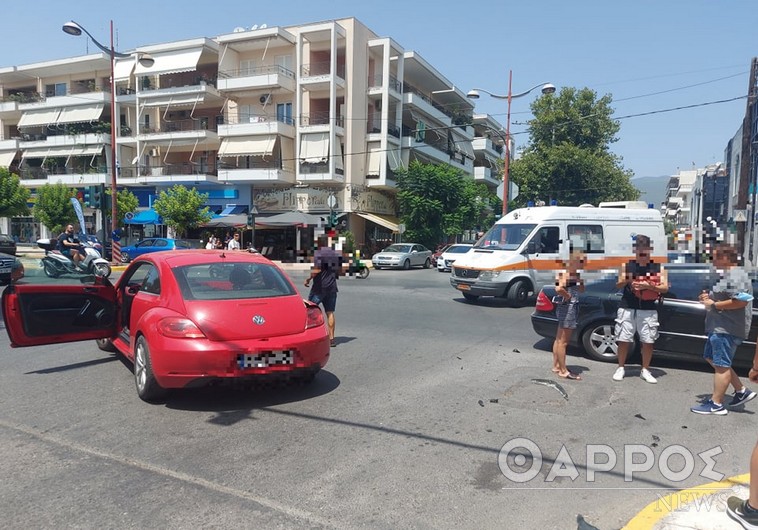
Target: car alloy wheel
599 342
427 263
518 293
125 257
406 264
148 388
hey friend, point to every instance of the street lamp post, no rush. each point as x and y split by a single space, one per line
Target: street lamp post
75 29
547 88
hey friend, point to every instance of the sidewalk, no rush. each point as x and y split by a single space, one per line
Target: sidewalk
699 508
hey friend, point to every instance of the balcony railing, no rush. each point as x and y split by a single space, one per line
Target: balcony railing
319 118
376 81
321 167
322 68
374 125
23 97
41 173
204 123
254 162
255 118
182 168
271 69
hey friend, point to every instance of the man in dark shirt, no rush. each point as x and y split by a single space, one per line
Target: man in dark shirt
327 266
643 282
68 246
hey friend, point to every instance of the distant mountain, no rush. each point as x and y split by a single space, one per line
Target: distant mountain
652 189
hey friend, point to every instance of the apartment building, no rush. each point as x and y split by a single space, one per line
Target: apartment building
271 119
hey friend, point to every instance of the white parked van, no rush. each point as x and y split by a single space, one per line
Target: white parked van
523 251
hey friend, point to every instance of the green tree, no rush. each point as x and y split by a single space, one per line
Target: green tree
126 201
182 208
53 207
569 157
13 197
438 201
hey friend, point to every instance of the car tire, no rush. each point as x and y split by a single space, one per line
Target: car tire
125 258
377 268
427 263
148 388
440 270
518 293
106 345
363 273
406 265
306 379
470 297
103 270
599 342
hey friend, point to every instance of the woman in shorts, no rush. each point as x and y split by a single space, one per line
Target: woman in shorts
568 285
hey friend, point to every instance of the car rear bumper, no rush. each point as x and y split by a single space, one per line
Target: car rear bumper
179 363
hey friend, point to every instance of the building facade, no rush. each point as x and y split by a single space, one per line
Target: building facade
316 118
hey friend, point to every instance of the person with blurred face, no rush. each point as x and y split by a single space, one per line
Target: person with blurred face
643 282
728 315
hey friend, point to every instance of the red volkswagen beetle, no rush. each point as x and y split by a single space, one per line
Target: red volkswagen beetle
182 318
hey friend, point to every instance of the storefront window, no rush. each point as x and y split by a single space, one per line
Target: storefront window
25 229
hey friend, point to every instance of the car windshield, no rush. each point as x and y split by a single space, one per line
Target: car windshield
180 243
505 236
462 249
398 248
231 281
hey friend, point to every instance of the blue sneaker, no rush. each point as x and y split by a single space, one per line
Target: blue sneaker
742 397
709 407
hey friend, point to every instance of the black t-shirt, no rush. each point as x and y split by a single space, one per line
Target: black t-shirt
329 263
64 237
639 272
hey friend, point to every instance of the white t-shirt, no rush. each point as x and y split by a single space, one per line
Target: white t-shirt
233 245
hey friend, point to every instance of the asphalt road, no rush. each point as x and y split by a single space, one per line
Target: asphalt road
402 430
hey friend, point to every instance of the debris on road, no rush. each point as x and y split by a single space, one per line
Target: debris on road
640 416
551 384
481 403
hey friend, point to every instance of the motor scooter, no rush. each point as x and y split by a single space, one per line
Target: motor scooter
358 268
55 264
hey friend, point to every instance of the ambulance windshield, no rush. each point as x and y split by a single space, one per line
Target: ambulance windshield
505 237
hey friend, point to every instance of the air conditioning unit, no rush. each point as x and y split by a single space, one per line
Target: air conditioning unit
239 29
265 99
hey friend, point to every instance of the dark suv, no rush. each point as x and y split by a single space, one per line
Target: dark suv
681 316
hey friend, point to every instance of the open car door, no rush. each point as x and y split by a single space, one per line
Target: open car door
38 314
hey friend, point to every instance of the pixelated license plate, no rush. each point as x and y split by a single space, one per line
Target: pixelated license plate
266 359
5 270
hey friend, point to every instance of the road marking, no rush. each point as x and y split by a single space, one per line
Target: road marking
658 509
177 475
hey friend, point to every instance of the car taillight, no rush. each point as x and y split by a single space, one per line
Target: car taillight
543 302
179 328
314 317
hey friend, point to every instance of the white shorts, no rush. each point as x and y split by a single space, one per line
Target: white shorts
642 321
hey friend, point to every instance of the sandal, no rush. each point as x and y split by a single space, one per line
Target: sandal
333 343
572 376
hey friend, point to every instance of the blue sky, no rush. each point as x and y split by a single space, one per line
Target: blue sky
650 55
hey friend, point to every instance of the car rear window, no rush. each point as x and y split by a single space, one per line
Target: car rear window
232 280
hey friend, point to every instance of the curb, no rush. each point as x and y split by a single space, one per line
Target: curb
653 513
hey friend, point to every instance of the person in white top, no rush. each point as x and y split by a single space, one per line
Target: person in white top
234 243
211 243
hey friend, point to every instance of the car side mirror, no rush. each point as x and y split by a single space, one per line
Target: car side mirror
531 248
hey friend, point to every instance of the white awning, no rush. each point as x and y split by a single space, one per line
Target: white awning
172 101
391 223
314 147
48 152
169 63
39 117
6 158
87 150
80 114
123 69
394 159
374 166
261 146
338 163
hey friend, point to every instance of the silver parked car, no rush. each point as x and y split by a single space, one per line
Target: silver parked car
403 256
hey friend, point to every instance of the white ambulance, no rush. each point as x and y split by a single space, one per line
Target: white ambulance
524 250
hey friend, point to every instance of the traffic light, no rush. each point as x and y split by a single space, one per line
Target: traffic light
250 220
332 218
87 196
97 197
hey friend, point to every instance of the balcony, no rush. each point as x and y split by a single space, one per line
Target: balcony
269 77
317 76
487 146
376 84
254 170
374 124
487 176
82 174
318 118
248 125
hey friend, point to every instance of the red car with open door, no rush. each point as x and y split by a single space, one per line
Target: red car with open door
183 318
